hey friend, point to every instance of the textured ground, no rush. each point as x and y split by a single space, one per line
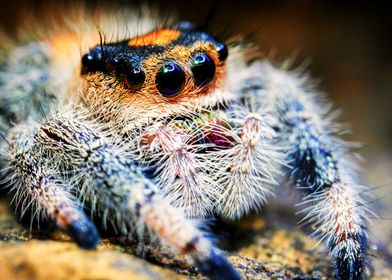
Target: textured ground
260 248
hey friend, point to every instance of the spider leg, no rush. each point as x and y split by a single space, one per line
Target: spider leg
181 170
321 167
118 189
37 185
249 164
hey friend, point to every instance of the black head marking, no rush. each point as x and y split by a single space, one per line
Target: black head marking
125 59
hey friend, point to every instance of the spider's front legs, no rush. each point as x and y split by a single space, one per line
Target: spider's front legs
117 188
322 169
36 184
248 166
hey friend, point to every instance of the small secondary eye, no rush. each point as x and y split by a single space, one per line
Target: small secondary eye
92 62
170 79
132 73
223 52
203 69
135 77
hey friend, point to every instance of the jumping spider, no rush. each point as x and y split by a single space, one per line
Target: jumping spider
153 132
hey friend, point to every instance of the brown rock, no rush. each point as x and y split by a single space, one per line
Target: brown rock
257 250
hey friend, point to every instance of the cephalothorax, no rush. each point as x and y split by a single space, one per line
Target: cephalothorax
152 131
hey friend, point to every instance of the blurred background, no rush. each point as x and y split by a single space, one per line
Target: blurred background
349 46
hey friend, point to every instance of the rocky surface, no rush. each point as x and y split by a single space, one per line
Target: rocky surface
260 248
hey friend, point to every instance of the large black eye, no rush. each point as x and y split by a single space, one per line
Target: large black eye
170 79
203 69
135 77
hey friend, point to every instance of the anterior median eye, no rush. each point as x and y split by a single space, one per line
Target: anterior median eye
135 77
170 79
203 69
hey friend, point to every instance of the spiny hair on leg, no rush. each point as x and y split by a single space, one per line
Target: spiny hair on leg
182 170
40 189
340 216
180 231
250 166
80 143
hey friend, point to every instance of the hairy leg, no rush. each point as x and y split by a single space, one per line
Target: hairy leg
26 87
40 187
173 150
116 187
27 93
321 167
214 162
249 163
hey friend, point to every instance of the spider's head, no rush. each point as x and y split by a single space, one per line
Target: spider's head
159 73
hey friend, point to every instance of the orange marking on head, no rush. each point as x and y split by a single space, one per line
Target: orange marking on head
112 94
157 37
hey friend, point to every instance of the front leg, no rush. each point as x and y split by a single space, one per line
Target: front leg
42 189
118 189
321 167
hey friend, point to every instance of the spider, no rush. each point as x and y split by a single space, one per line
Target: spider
162 128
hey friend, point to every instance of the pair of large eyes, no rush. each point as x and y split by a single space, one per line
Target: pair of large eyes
170 78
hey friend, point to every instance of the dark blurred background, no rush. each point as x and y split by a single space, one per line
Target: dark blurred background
348 43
